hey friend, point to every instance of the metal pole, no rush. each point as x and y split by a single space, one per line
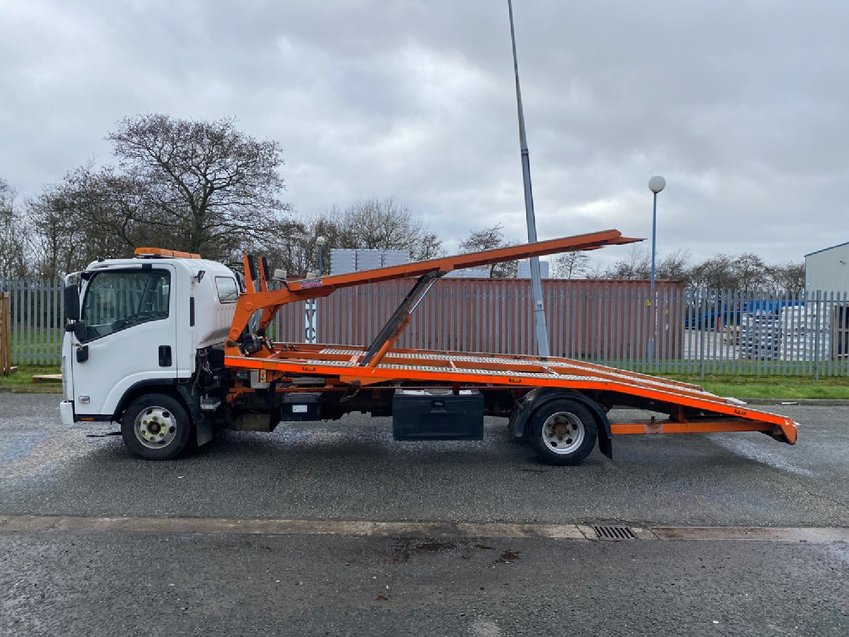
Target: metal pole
652 317
540 328
656 184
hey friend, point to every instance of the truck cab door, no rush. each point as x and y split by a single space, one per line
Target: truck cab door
129 336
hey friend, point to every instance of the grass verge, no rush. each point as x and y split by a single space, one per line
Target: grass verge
21 379
775 387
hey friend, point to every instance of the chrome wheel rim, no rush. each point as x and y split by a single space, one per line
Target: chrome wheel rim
155 427
562 432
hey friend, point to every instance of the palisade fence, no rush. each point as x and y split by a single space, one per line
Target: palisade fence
610 322
36 320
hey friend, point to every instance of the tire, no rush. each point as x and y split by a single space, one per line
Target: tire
562 432
156 427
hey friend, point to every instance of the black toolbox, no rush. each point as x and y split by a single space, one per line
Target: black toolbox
300 407
437 414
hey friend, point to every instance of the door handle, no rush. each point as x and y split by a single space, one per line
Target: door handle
165 356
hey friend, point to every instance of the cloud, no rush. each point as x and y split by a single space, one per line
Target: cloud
740 105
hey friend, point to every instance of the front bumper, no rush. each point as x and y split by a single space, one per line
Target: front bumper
66 410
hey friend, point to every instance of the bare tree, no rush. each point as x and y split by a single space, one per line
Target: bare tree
487 239
383 224
57 236
572 265
93 213
674 266
637 265
197 186
13 235
297 250
751 273
788 277
206 185
716 273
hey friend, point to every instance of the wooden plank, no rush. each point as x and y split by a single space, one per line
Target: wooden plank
47 378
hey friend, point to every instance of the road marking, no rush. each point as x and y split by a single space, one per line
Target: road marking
367 528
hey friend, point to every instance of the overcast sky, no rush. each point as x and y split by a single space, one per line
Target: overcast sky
742 105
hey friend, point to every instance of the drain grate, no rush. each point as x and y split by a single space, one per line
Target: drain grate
614 533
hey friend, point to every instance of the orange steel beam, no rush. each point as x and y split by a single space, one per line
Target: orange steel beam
269 301
581 242
249 279
262 268
702 426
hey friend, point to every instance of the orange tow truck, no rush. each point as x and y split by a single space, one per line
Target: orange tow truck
238 377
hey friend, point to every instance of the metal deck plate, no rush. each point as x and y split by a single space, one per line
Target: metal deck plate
613 373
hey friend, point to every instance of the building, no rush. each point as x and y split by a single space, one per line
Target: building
828 270
343 260
525 269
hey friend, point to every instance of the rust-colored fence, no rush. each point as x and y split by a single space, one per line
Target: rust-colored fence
596 319
5 334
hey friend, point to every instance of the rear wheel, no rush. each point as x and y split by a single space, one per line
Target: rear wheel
563 432
156 427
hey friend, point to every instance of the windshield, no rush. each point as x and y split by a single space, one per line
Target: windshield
117 300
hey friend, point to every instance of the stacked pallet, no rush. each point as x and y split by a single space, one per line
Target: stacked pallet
760 336
804 337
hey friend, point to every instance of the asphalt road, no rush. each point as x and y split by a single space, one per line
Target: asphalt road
98 580
353 469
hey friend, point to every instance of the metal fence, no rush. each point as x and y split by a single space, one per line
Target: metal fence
610 322
36 320
729 332
600 320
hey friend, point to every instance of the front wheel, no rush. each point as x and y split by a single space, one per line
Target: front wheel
563 432
156 427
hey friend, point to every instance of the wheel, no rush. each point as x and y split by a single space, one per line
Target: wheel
563 432
156 427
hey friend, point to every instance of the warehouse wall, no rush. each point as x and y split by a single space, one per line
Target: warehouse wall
828 269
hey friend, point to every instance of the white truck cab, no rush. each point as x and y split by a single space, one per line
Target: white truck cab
142 327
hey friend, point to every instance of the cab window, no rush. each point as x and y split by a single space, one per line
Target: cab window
227 290
119 300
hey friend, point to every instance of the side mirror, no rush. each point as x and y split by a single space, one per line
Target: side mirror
72 302
80 330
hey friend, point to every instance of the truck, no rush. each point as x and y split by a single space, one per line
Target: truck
175 347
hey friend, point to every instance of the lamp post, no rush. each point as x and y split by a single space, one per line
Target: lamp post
656 184
540 328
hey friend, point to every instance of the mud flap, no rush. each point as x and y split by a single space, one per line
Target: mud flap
203 426
518 423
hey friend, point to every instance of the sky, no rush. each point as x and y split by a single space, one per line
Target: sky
742 106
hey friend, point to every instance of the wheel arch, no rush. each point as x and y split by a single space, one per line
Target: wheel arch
202 428
151 386
536 398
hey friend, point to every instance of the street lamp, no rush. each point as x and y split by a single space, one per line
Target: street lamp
656 184
320 241
540 329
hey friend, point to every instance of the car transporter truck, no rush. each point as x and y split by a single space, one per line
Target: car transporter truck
174 347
